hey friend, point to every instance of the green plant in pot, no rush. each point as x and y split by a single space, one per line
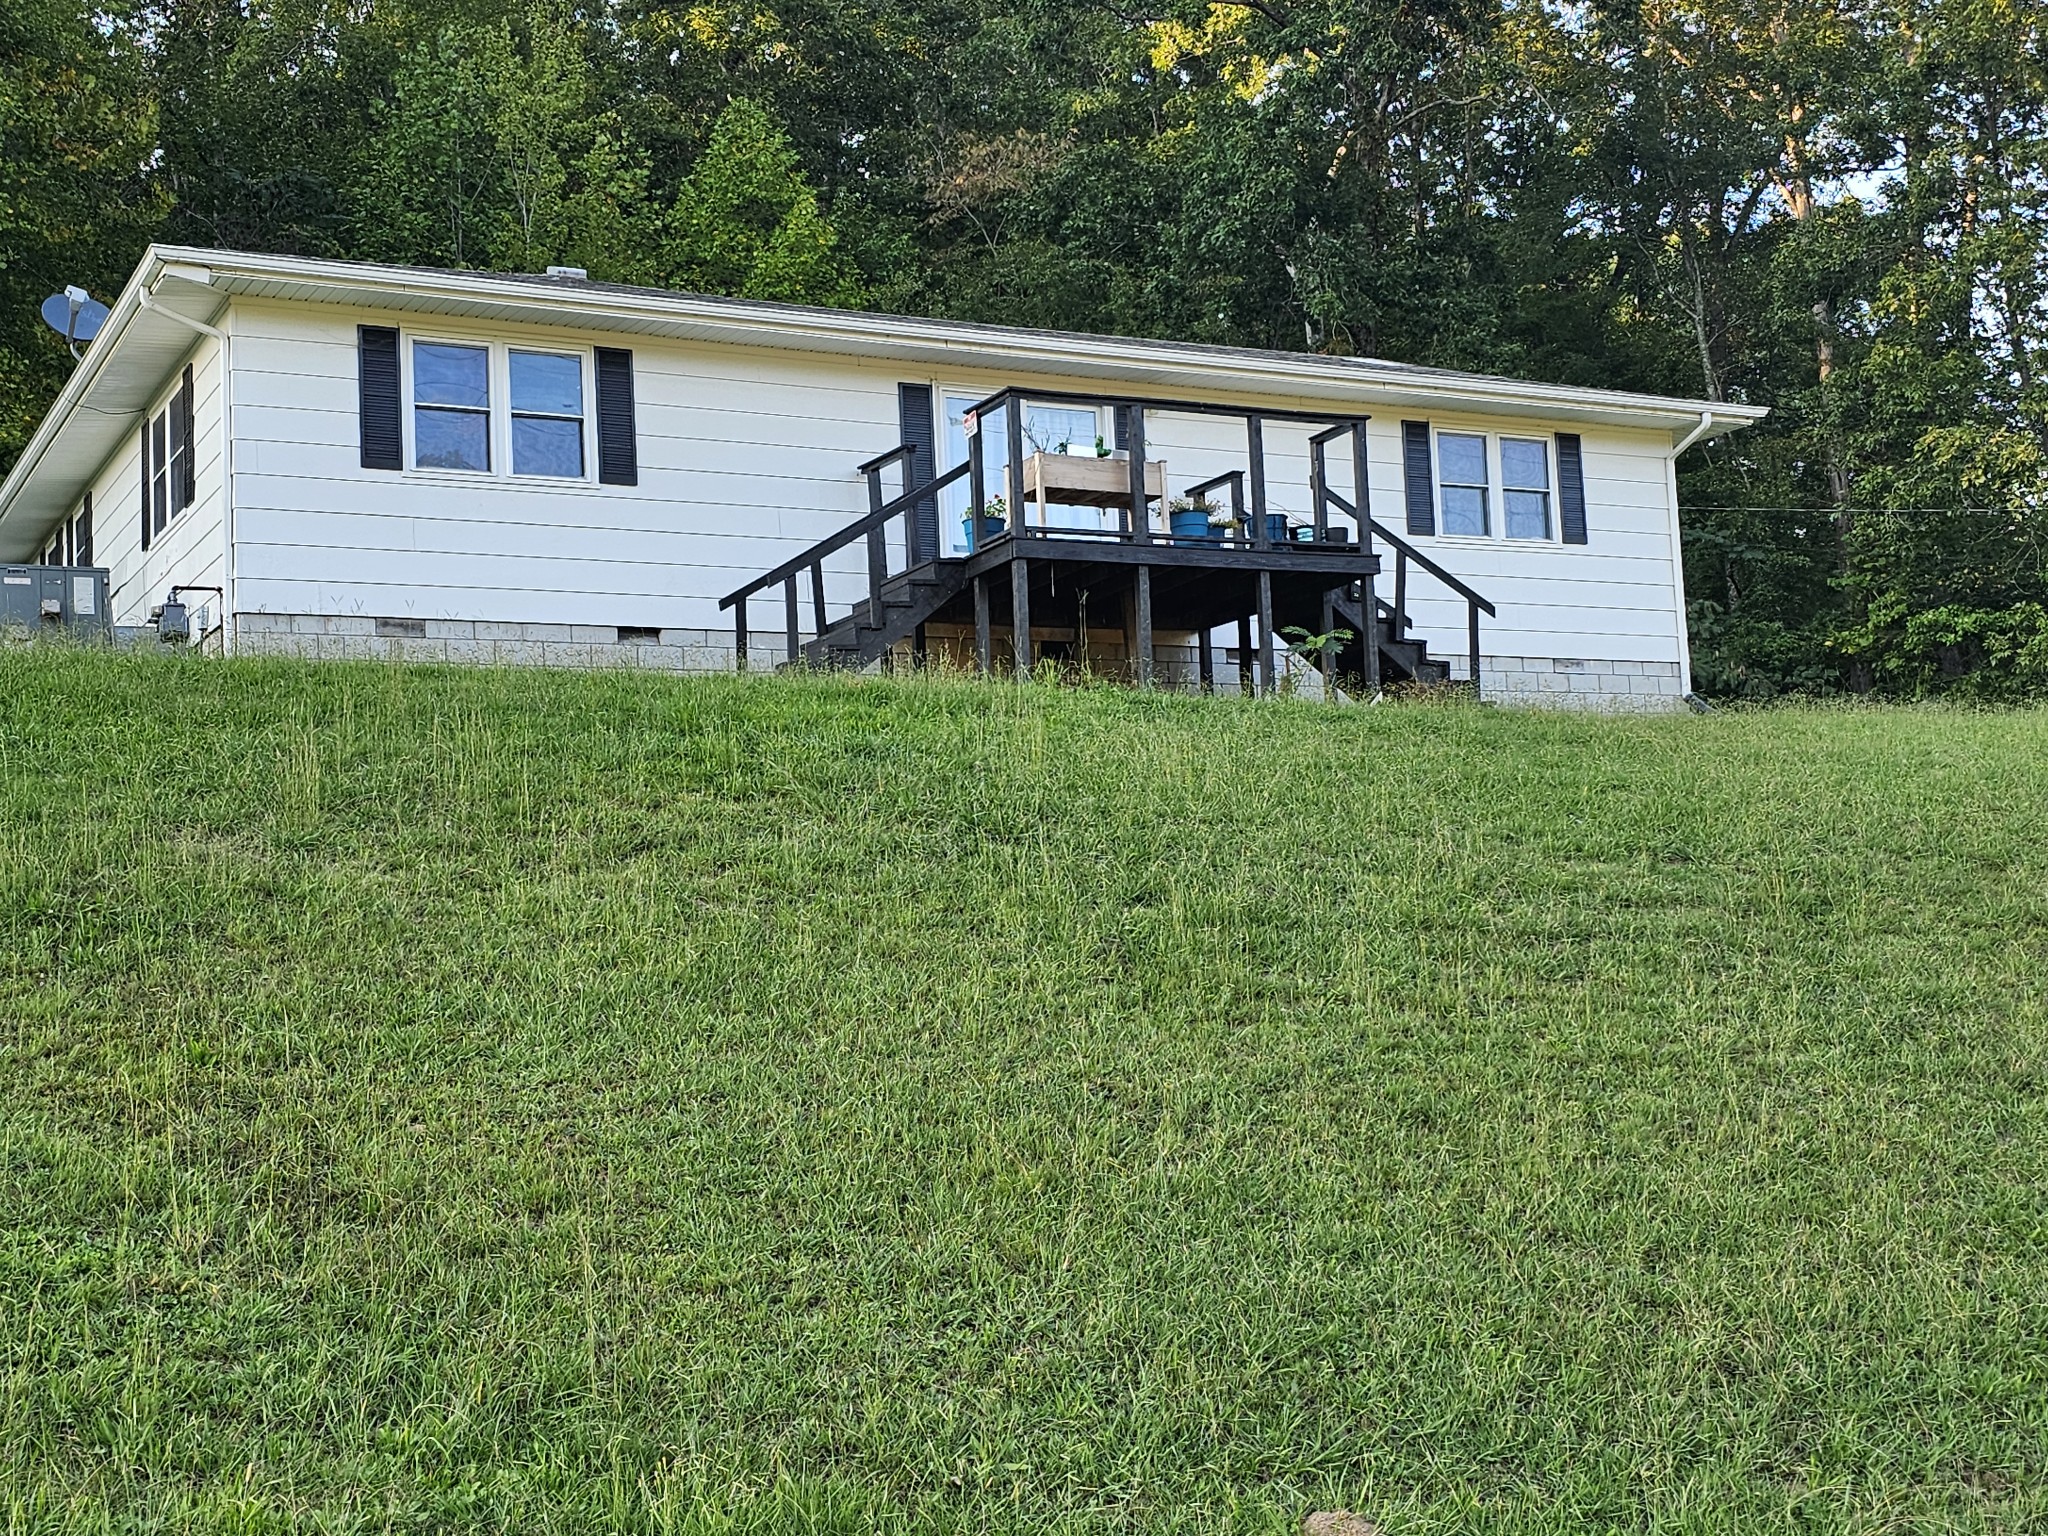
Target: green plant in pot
1193 520
995 522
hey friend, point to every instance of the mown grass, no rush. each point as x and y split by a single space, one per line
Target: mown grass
446 1100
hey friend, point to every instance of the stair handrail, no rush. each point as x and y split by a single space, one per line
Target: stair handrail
1405 552
813 559
832 543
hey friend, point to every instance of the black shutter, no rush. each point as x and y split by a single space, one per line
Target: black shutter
1571 489
143 462
618 452
186 491
914 421
383 430
1122 417
81 534
1416 477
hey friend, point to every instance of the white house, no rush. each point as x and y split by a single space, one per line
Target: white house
345 459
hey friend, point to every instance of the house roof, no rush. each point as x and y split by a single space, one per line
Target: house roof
176 292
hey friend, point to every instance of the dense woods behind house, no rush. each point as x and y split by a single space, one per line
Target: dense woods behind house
1840 211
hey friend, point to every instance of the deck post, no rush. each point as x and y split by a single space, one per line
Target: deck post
739 635
1318 484
1266 681
1205 661
1081 630
982 660
1020 616
1255 447
1369 605
1472 641
1013 427
977 488
878 551
920 649
789 613
1144 647
1141 511
1244 657
818 597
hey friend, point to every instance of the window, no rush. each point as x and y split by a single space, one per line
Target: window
451 393
71 544
1461 471
547 414
1525 487
159 472
481 407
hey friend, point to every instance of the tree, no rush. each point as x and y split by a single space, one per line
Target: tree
76 127
747 223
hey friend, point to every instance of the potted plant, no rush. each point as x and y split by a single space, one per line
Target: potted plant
995 522
1193 521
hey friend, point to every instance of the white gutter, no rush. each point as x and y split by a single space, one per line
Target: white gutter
1706 425
147 298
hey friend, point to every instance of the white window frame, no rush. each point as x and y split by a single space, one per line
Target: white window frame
1496 488
498 429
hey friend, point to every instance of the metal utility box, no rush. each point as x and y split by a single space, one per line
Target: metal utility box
50 597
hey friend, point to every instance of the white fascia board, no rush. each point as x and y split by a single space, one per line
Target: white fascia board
1214 374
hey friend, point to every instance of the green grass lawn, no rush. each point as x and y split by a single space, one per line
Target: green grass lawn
463 1101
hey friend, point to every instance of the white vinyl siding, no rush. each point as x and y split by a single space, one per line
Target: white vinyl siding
190 549
747 456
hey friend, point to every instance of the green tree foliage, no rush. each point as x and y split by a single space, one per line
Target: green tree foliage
1838 208
75 128
746 222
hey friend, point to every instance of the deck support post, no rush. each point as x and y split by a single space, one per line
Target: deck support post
789 613
1266 680
739 635
1244 657
920 649
1472 641
1081 630
983 661
1144 647
1020 616
1205 661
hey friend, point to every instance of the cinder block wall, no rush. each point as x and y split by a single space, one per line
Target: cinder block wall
1517 680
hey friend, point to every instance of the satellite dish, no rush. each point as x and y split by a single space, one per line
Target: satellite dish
75 315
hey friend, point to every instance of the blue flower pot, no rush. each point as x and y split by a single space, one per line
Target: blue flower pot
1276 527
1194 528
991 528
